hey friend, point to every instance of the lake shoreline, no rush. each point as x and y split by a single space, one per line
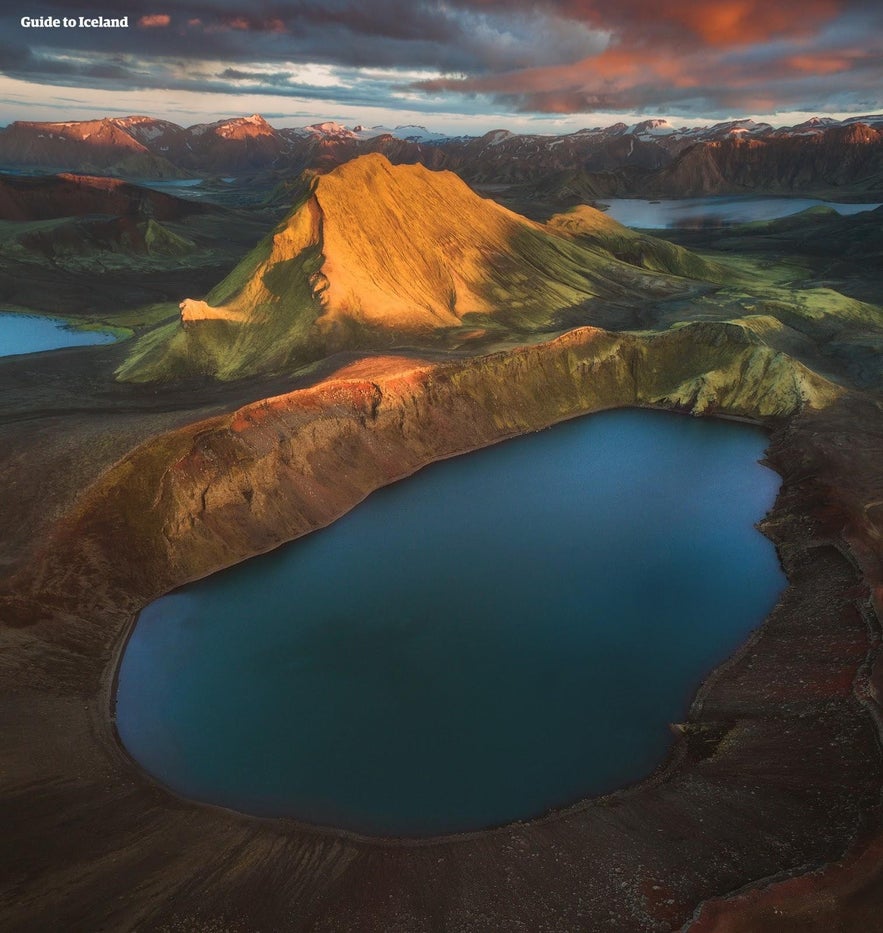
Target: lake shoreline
728 211
65 628
47 333
595 477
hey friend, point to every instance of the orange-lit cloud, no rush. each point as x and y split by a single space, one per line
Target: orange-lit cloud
712 22
720 53
154 20
723 23
822 64
255 24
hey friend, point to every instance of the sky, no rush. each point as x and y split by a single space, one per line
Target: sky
456 66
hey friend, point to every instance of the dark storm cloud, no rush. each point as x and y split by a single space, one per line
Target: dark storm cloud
389 33
546 56
22 61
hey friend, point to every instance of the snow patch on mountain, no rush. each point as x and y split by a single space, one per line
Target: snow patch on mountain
652 128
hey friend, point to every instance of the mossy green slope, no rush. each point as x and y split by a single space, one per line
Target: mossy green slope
592 228
160 241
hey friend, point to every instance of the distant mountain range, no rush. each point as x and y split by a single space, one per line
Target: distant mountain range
651 158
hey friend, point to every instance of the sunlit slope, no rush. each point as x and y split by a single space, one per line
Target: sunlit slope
376 255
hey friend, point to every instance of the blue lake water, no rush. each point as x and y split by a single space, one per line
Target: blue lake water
26 333
500 634
714 211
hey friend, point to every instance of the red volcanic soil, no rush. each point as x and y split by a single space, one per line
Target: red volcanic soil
46 197
844 896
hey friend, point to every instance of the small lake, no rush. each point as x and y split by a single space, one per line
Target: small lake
714 211
189 188
500 634
30 333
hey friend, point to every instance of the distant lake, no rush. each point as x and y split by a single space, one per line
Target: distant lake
27 333
171 183
500 634
714 211
188 188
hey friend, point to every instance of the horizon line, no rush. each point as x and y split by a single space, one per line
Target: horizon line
694 123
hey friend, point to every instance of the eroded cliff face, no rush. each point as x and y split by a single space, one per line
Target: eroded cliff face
841 156
216 492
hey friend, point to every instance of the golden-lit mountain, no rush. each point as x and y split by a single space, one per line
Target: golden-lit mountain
376 255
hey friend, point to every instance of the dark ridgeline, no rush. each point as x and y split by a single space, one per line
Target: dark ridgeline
651 158
68 195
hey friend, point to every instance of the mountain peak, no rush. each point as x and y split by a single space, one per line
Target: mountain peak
234 128
329 128
655 127
391 252
255 125
375 255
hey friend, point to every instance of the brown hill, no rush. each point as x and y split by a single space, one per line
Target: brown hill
44 197
76 243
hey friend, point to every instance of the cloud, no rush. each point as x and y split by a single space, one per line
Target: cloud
717 58
154 20
713 58
385 33
717 23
